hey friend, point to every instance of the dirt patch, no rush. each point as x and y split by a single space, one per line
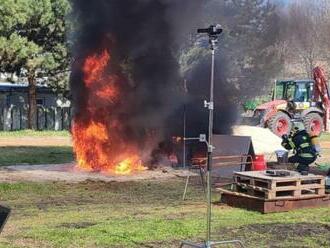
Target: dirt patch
33 141
276 232
285 231
325 144
70 173
78 225
273 232
167 244
29 242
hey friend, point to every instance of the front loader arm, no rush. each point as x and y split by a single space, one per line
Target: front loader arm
322 92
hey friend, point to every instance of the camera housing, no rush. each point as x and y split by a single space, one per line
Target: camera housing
213 30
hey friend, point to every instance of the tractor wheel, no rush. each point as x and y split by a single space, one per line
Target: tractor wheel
280 124
314 124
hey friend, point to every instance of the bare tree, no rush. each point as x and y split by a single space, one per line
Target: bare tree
306 33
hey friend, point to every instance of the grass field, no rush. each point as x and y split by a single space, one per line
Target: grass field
143 214
134 214
35 155
35 147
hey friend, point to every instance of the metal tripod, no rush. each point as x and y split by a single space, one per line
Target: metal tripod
210 105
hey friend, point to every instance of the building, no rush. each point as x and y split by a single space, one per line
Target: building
54 110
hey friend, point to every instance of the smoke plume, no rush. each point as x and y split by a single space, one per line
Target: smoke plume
131 49
139 42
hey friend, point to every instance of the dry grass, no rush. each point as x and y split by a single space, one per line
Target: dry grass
143 214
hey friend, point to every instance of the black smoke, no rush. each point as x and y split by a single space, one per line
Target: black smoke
198 89
144 38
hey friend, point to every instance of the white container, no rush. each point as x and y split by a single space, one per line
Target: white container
282 156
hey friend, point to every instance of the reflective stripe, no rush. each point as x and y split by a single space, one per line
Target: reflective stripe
306 155
291 143
304 145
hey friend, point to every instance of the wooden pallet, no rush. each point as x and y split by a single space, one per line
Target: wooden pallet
262 205
258 184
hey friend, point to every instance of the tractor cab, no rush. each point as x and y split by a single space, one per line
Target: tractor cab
299 94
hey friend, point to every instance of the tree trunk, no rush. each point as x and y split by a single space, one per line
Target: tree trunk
32 98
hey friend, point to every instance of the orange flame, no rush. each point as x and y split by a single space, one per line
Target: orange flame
98 144
94 66
127 165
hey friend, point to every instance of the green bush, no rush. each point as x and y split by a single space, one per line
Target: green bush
250 105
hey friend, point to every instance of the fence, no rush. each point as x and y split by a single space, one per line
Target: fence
16 118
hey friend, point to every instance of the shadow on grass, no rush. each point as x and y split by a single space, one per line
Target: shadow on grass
15 155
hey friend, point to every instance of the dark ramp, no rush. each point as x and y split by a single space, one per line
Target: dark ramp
228 152
229 145
4 214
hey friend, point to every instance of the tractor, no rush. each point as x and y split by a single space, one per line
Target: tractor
304 101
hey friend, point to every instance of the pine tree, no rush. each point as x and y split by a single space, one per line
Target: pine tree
33 44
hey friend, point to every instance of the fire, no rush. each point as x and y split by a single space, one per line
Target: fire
98 138
107 93
125 167
94 66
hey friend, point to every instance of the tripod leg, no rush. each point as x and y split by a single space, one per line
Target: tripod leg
185 188
240 243
201 172
189 244
228 242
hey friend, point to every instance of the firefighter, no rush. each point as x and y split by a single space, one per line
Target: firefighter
305 152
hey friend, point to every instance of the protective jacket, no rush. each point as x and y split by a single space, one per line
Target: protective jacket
302 145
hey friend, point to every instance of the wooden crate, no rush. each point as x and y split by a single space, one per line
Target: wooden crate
259 184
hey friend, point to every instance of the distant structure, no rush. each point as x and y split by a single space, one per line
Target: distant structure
54 110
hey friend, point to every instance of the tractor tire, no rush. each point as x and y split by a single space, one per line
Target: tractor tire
314 124
280 124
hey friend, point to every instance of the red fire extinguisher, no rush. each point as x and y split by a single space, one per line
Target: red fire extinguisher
259 163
